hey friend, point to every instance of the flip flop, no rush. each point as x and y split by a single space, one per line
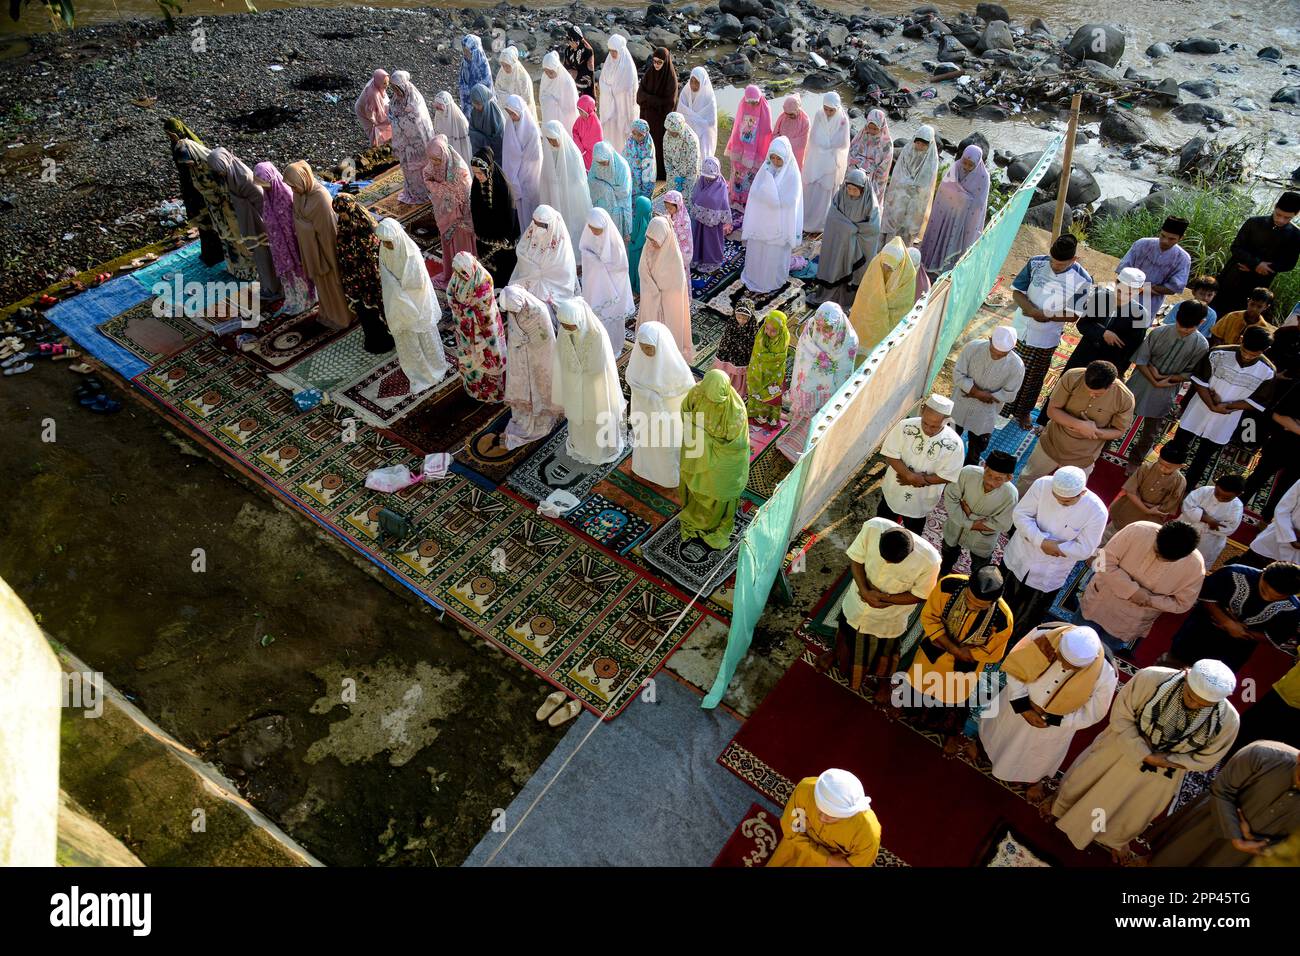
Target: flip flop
105 405
551 704
16 358
81 368
19 369
66 354
565 713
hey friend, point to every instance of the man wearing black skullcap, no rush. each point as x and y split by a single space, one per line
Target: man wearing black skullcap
965 624
1165 263
1265 246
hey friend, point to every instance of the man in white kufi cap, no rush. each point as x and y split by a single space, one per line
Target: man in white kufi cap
923 454
1059 681
988 374
1165 722
1058 522
828 822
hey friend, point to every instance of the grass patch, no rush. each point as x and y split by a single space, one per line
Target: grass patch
1214 214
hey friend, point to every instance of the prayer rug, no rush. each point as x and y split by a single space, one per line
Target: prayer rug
753 841
762 435
382 395
705 285
485 454
149 336
608 524
663 500
819 627
342 360
588 623
766 469
811 721
788 298
281 342
695 566
1009 850
392 207
385 184
183 263
446 419
550 468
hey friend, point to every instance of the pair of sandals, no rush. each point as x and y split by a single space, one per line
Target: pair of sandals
557 709
92 395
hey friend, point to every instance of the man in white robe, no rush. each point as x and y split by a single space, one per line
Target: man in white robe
923 454
410 307
1058 683
618 85
606 284
773 219
988 374
585 384
1164 723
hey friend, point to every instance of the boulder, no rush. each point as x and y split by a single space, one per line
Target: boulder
1101 70
868 75
1039 26
742 8
1156 50
1269 53
990 12
836 34
926 8
997 36
1167 91
736 66
979 140
1120 126
599 44
640 50
1103 42
1111 208
1198 113
1024 163
950 49
1295 175
1191 154
913 31
992 112
657 15
1083 188
966 34
1287 94
726 26
757 27
883 25
822 80
781 26
1202 88
1155 201
1044 214
665 38
1203 45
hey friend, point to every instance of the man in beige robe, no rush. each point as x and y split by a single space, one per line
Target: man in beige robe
1146 570
1164 723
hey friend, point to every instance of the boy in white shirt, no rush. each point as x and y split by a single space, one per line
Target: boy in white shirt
1215 511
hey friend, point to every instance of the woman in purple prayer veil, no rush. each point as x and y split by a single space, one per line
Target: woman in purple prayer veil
710 216
957 216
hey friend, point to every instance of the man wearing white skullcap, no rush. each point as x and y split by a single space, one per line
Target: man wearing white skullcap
1059 681
1165 722
923 454
1058 522
828 822
987 376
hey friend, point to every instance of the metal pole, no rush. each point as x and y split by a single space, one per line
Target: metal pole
1063 184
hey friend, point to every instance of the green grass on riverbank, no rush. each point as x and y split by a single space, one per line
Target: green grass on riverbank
1214 215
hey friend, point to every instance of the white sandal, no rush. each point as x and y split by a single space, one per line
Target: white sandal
551 704
565 714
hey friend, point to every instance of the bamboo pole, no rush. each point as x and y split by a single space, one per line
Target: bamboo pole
1067 162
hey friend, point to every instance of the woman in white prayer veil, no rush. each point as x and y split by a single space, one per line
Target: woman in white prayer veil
826 161
546 266
618 85
605 281
410 307
659 379
451 122
564 179
585 384
529 366
697 103
513 79
773 219
521 158
665 294
906 208
557 95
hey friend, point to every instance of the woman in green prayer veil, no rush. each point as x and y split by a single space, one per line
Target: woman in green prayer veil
715 459
765 375
642 213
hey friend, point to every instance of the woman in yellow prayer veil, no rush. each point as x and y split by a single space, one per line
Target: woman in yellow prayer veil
715 459
887 293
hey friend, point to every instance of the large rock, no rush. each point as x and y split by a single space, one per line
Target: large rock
1043 214
1192 153
869 75
1120 126
1103 42
951 49
1023 164
1155 201
989 12
1083 188
640 50
1156 50
966 34
1198 45
1198 113
665 38
976 139
1101 70
599 44
1167 91
1269 53
1111 208
736 66
742 8
1202 88
997 36
836 34
822 80
726 26
1287 94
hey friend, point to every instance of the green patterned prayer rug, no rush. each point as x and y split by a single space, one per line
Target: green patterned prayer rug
589 623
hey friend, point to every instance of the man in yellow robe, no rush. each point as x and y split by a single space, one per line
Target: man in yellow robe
965 624
828 822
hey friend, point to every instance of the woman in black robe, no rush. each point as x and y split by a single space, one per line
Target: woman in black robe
357 249
495 224
579 59
657 97
210 248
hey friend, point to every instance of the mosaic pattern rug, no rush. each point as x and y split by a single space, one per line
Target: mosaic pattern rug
386 183
342 360
150 337
483 451
789 298
705 285
550 468
766 470
1010 850
383 395
392 207
285 341
608 523
588 623
445 422
696 567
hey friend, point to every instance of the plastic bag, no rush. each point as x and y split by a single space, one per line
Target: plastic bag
391 478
